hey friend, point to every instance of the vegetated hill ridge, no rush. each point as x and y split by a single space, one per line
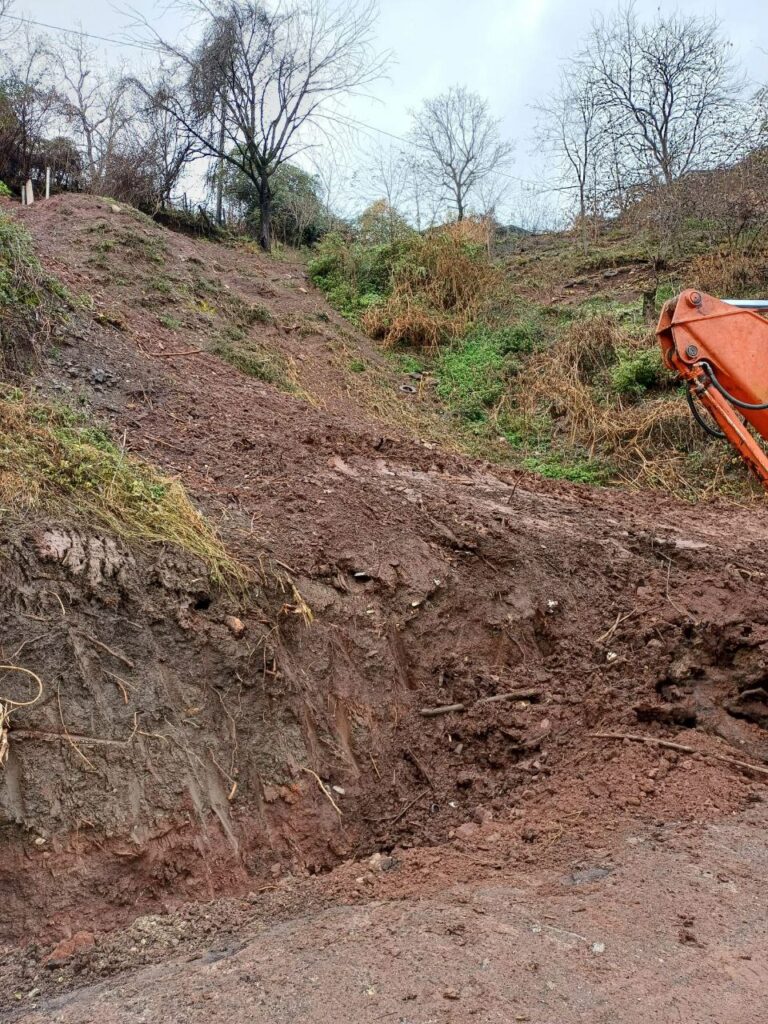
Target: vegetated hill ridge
190 742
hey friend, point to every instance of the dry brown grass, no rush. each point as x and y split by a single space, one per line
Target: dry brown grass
437 291
729 275
649 443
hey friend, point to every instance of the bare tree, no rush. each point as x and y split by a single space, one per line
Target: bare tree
461 144
424 201
492 192
386 176
574 129
28 100
261 77
8 26
94 103
669 87
167 143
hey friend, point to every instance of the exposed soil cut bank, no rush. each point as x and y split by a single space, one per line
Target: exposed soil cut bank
176 756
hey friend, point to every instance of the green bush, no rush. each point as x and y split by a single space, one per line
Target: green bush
5 192
636 372
355 277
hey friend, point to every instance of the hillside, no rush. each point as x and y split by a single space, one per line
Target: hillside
225 737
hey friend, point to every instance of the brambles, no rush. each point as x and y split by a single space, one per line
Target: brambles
637 372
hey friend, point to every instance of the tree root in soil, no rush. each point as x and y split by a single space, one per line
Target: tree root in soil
680 748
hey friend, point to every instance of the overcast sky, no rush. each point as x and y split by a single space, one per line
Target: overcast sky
507 50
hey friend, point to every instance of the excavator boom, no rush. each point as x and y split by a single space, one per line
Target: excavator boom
719 348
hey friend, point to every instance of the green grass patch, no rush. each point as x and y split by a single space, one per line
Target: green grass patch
31 301
473 374
553 466
637 371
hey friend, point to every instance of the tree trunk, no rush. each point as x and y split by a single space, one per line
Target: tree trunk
460 206
265 215
220 171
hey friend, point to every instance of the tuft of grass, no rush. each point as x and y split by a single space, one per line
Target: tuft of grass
254 359
257 314
554 467
475 372
637 372
51 460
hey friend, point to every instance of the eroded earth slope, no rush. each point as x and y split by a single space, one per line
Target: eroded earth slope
179 796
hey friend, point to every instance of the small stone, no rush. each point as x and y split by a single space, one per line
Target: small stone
597 948
611 656
467 830
115 209
80 942
451 993
482 815
235 626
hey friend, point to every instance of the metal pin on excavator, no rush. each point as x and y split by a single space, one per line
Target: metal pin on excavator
719 348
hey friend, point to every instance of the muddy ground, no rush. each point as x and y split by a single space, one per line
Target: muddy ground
198 831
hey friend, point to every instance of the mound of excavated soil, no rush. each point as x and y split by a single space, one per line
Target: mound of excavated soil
174 756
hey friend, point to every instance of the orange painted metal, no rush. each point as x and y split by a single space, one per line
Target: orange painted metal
696 329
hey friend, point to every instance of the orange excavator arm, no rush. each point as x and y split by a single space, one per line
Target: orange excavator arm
719 348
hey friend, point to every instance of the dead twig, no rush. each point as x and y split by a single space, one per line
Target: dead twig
167 444
408 806
419 767
122 683
448 709
609 632
680 747
323 788
58 737
510 695
61 603
67 733
685 614
173 355
115 654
